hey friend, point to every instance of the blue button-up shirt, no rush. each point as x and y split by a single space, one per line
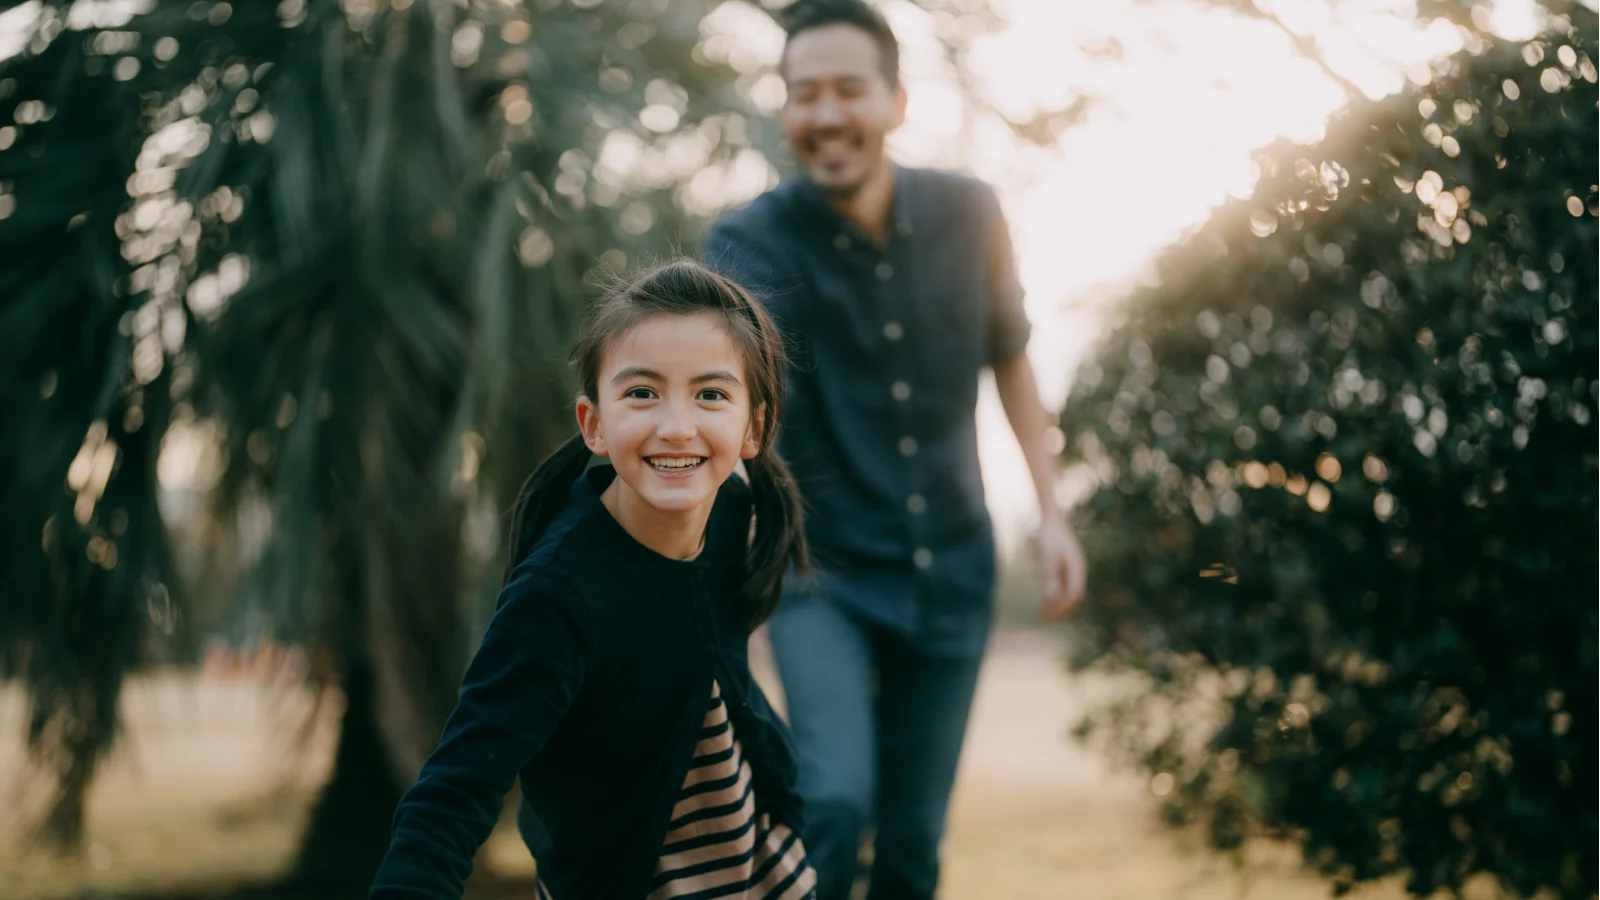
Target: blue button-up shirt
888 342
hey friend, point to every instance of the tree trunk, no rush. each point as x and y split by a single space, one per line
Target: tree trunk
398 629
349 828
62 830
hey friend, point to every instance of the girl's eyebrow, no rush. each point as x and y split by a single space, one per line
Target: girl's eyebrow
632 372
640 372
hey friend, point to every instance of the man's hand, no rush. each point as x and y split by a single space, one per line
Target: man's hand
1065 570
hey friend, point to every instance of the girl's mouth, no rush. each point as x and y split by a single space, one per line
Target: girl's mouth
675 465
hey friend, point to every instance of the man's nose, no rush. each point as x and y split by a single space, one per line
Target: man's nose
827 112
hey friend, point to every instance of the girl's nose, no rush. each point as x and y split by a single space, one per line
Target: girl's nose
677 423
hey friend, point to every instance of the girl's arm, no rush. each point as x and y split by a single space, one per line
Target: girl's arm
521 682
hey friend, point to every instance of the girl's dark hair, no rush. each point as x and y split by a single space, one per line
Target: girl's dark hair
685 287
806 15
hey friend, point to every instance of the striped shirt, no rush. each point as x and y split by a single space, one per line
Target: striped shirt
719 842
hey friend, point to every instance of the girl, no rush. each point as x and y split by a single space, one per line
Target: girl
613 678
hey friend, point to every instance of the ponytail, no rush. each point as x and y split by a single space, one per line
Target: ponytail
779 543
542 497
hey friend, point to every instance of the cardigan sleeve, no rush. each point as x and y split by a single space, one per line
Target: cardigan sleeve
523 679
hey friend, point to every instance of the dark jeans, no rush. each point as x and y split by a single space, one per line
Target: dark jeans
878 721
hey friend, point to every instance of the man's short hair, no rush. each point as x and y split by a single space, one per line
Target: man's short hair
806 15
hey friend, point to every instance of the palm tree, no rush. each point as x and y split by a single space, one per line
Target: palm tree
347 242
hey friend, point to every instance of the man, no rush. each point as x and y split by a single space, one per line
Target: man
896 287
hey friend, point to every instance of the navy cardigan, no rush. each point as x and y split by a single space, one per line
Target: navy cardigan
591 685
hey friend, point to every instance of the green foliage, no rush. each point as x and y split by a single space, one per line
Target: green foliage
1345 512
333 251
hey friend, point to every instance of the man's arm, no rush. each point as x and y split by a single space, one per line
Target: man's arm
1059 551
1060 555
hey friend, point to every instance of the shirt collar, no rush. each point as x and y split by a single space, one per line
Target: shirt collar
902 205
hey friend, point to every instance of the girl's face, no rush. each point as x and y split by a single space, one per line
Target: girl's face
673 411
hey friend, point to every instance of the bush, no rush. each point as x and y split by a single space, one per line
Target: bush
1345 510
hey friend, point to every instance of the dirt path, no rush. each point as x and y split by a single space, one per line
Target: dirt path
211 784
1035 815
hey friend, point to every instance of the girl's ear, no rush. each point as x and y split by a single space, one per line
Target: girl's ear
589 423
753 435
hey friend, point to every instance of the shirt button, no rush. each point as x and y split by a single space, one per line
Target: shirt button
908 446
901 391
842 241
699 574
904 227
711 647
894 331
917 504
885 271
922 558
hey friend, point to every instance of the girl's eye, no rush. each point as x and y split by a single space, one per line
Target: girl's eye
640 393
712 395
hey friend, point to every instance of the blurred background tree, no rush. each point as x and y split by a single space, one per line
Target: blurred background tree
304 272
1343 517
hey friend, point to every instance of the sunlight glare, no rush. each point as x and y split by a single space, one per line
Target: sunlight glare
1183 94
16 26
1516 20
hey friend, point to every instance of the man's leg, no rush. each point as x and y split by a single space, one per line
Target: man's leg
922 708
824 659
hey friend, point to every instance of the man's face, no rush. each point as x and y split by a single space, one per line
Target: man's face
840 107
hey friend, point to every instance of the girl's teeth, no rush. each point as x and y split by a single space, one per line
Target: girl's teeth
675 463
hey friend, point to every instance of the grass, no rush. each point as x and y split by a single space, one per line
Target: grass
211 784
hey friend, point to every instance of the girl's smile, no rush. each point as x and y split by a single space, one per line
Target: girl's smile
674 466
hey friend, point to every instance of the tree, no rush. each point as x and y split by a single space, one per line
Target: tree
1473 18
1344 514
340 247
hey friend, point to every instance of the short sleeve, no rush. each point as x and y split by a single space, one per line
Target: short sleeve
1009 328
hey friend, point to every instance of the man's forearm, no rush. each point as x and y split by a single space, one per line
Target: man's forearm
1019 396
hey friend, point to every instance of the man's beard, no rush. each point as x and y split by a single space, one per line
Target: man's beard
844 191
